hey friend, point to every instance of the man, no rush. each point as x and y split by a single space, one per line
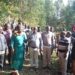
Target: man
8 33
3 48
47 44
62 50
35 43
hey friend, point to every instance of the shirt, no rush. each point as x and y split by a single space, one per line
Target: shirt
3 44
47 38
35 40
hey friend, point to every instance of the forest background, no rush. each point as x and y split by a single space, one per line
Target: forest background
38 13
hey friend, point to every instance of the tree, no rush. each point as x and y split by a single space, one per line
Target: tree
49 11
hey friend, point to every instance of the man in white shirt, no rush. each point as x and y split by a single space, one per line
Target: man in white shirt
35 44
3 47
47 44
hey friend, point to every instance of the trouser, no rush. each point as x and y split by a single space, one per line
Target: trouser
73 66
52 48
34 61
9 55
2 60
62 63
46 56
69 62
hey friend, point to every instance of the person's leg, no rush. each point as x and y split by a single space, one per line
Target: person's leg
60 60
63 63
36 59
31 57
2 61
44 57
73 67
64 67
9 55
52 48
48 56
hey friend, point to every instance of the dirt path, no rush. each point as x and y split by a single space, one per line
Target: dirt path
26 69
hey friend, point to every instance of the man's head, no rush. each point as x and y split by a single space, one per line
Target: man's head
68 34
48 28
62 34
20 27
52 29
7 26
34 29
39 29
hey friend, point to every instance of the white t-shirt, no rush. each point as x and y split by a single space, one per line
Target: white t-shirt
3 44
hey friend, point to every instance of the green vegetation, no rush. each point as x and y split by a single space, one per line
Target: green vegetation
38 12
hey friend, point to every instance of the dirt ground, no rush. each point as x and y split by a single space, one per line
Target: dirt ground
27 71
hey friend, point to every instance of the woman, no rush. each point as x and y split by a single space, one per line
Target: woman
18 46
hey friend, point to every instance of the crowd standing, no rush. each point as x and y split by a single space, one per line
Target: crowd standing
18 40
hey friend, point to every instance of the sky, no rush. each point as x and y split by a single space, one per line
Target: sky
64 1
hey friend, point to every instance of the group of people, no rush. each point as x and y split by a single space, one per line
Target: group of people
17 42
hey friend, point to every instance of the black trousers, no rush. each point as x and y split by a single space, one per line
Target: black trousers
9 55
